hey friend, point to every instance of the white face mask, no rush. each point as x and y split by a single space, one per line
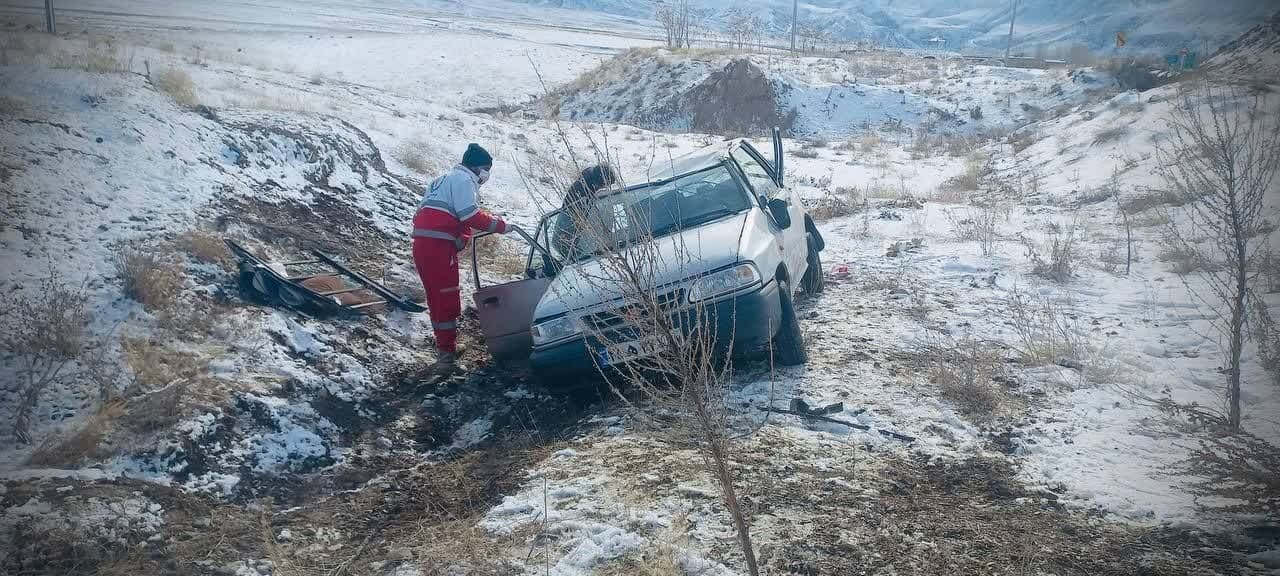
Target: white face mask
483 175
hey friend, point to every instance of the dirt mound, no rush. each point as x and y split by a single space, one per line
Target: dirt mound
658 91
738 99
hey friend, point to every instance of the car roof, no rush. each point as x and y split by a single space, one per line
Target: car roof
694 161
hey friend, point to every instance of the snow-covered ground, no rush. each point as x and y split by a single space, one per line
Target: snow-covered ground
319 134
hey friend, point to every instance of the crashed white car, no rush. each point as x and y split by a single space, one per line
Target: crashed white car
740 245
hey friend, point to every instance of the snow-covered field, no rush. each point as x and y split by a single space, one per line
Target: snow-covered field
201 433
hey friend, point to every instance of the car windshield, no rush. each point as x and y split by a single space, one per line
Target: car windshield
644 212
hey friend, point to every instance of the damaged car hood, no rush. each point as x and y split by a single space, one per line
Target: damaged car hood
591 283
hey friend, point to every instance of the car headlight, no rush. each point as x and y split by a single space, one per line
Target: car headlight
554 329
724 282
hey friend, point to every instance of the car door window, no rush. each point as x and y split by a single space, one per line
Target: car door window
757 174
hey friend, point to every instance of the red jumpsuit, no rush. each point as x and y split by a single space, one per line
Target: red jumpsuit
441 229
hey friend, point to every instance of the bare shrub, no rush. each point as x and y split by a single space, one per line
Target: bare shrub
968 373
979 225
680 385
149 277
1113 258
1265 333
44 334
1237 472
1046 329
177 83
72 449
834 204
1057 257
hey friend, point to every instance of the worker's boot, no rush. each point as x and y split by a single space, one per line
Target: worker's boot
446 364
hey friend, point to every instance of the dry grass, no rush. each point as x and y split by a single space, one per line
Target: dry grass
805 152
1046 328
979 225
1111 134
205 247
11 105
72 449
161 380
98 54
968 373
976 166
150 277
177 83
1180 259
834 204
662 558
416 155
1058 256
499 255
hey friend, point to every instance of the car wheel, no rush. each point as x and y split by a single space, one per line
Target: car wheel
813 281
789 342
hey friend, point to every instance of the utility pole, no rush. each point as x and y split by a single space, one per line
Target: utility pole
795 20
48 17
1009 43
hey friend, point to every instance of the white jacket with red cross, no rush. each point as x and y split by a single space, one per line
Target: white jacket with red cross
449 209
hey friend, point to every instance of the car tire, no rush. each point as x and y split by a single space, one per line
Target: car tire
813 281
788 344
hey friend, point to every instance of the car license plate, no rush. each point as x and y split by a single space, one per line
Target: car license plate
623 352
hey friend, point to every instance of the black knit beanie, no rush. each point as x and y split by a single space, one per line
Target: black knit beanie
476 157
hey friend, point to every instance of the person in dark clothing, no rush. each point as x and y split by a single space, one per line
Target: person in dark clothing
579 206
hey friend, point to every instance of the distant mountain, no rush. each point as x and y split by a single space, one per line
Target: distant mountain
983 25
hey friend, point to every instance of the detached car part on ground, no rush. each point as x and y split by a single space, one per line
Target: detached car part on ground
735 244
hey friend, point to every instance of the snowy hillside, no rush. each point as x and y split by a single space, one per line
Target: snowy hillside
824 97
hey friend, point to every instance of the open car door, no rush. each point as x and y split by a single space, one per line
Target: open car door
506 310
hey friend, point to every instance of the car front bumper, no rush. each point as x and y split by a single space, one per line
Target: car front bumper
743 320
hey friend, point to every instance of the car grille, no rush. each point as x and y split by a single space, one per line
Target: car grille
614 318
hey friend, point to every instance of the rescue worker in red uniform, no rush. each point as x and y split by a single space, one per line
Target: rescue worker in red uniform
441 229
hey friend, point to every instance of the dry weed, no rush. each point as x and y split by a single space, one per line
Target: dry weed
205 247
979 225
1057 257
968 373
161 380
1046 328
1111 134
499 255
11 105
416 156
177 84
149 277
69 451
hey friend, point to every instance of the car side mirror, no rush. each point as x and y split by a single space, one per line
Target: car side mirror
778 208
